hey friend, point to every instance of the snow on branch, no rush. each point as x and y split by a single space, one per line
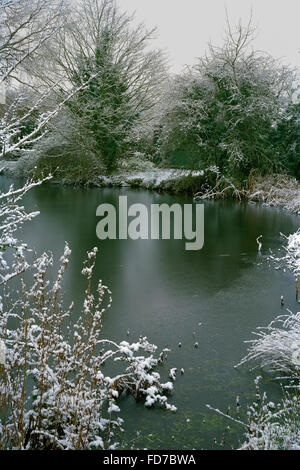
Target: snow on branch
11 138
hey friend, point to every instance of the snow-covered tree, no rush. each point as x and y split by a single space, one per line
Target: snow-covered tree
114 111
225 107
28 30
25 29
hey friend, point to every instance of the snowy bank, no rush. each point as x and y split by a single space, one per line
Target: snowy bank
274 190
133 173
155 178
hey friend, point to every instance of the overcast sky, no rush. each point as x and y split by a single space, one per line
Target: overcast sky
186 26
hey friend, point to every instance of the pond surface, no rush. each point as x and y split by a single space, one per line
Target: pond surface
216 296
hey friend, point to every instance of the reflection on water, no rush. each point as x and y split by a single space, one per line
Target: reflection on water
215 296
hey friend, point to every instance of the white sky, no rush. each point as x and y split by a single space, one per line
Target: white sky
186 26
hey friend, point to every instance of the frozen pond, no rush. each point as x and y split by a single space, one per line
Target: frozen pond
216 296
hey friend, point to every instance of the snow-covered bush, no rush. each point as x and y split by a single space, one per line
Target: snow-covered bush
54 393
273 427
138 162
277 347
266 425
224 110
292 257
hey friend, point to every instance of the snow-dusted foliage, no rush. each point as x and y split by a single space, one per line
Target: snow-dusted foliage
225 108
292 257
273 427
269 426
54 390
12 216
31 101
110 118
277 347
25 29
13 135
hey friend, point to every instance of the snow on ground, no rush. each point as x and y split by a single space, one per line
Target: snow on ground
151 179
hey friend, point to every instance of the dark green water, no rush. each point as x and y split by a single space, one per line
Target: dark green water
163 292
